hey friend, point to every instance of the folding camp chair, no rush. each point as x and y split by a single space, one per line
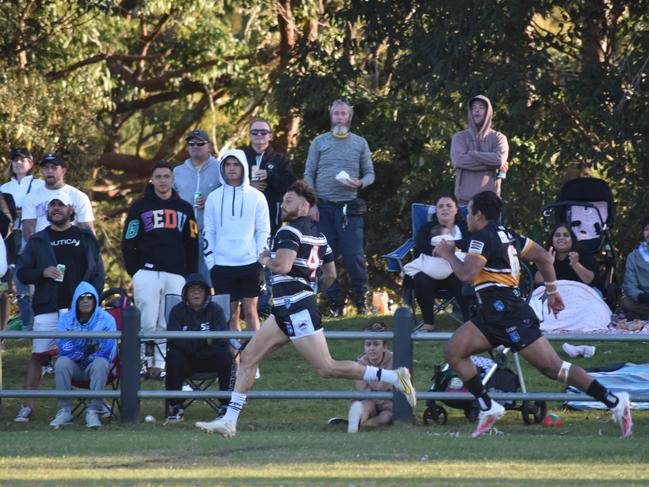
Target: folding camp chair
199 381
420 214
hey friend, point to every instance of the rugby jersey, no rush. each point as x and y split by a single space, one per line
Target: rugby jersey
499 248
302 236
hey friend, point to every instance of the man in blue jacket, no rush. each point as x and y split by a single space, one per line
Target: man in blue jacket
83 359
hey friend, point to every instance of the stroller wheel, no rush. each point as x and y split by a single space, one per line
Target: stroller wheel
534 412
436 414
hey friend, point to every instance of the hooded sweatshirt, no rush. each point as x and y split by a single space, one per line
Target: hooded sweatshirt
160 235
84 350
237 224
477 171
188 181
636 274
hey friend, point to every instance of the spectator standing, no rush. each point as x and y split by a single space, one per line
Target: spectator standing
35 205
478 154
237 228
188 356
21 183
271 173
194 180
8 216
635 301
84 359
55 260
338 165
160 247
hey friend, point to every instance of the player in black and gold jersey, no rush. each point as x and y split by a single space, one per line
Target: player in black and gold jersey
504 318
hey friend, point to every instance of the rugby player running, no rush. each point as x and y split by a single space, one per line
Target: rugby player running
299 250
504 318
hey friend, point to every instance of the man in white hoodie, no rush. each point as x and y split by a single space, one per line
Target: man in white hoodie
236 231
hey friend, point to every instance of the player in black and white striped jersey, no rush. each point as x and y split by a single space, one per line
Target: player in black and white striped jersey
299 251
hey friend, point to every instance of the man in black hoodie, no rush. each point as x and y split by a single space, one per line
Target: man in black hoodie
188 356
160 248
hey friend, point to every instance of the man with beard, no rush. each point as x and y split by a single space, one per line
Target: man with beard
478 154
35 205
338 165
55 260
298 252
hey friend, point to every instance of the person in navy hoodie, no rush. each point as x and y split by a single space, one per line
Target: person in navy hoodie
86 359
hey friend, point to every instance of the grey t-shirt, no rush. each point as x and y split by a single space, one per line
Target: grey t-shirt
328 155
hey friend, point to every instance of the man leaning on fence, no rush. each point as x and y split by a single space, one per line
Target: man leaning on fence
84 359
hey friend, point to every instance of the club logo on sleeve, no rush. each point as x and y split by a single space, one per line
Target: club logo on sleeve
475 247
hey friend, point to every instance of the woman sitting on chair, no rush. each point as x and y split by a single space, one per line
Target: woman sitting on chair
570 262
426 288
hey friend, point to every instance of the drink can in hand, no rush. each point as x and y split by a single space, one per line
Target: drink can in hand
197 195
61 268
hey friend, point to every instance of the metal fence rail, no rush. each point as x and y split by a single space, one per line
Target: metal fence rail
403 343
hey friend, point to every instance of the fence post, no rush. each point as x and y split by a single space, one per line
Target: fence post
403 352
130 362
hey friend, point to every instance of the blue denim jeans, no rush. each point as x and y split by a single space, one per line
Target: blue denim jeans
345 237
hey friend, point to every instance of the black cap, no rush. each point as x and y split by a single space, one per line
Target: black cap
20 152
198 134
52 159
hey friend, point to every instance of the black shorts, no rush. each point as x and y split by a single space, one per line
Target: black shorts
299 320
508 322
242 281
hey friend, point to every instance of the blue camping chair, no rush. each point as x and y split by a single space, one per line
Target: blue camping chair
420 214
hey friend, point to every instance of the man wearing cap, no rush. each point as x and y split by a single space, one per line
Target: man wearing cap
271 173
478 154
35 207
21 183
55 260
196 178
339 164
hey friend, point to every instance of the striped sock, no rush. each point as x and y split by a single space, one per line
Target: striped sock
237 401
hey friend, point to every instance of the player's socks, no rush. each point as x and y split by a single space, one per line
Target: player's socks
237 401
475 386
599 392
376 374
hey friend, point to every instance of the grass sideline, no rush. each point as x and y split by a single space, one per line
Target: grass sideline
289 443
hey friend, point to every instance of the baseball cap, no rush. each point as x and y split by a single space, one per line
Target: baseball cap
62 196
20 152
198 134
52 159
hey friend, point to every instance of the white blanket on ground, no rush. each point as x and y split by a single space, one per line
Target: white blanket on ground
585 310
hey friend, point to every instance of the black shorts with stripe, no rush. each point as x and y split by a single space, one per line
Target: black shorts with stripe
300 320
508 321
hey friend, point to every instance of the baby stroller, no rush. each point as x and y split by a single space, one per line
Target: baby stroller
496 377
587 205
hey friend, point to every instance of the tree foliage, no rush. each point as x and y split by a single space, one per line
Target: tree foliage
114 85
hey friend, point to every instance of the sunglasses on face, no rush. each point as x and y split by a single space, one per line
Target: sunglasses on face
86 296
260 132
196 144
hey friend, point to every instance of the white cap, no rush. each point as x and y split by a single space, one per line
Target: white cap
62 196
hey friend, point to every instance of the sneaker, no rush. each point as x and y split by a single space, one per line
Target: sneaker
92 419
63 417
177 414
486 419
622 414
219 425
405 386
47 370
23 415
144 372
156 373
354 420
257 374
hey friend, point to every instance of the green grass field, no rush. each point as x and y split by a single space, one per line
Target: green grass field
289 442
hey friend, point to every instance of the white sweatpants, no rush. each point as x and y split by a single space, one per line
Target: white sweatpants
149 289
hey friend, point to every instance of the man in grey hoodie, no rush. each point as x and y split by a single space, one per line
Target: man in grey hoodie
635 302
196 178
479 153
